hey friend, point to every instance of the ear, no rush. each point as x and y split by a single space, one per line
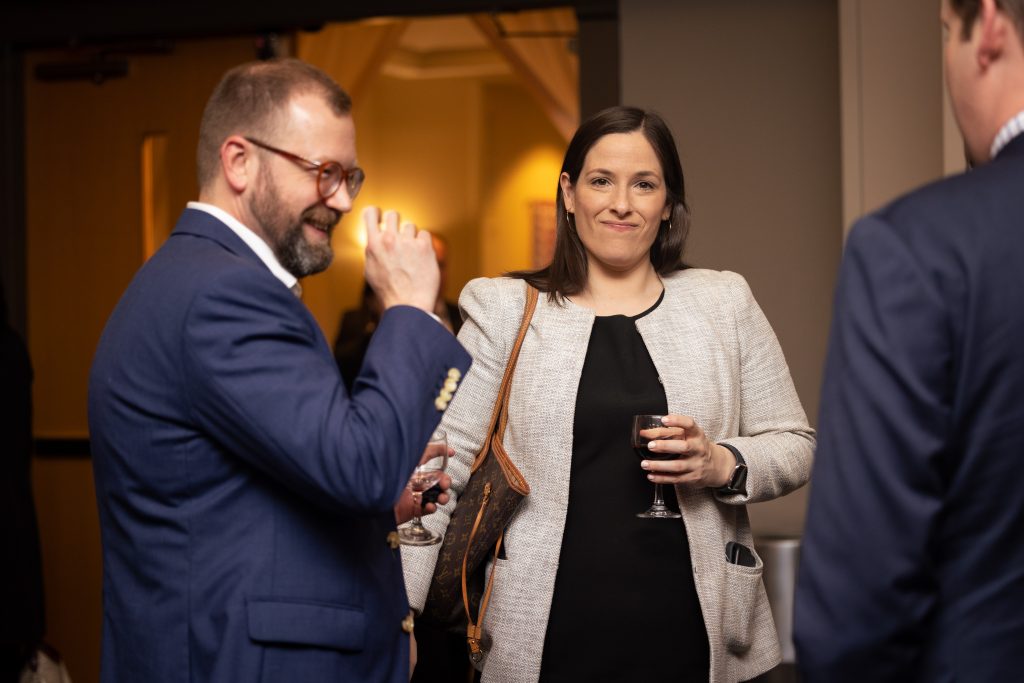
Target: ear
992 25
667 213
568 192
238 163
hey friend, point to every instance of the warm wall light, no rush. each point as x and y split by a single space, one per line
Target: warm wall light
156 223
359 232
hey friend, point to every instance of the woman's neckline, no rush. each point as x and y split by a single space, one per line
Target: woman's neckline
636 316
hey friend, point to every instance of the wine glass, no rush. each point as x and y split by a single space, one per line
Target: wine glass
426 474
641 424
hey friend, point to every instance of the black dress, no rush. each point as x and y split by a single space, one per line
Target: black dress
625 606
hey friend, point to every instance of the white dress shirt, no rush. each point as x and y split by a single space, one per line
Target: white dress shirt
1009 131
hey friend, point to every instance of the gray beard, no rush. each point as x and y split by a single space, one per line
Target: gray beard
287 237
298 256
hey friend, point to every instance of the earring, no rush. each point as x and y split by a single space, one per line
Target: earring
567 217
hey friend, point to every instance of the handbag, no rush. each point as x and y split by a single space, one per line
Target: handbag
458 595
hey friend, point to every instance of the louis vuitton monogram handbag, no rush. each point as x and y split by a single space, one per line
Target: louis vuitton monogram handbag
458 593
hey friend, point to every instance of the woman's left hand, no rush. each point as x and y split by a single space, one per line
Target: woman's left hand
697 462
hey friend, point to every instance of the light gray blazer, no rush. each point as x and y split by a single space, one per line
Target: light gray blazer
719 361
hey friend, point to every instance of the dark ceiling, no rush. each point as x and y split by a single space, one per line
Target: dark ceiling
54 23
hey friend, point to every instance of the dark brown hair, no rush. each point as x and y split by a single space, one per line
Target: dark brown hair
567 273
248 99
968 11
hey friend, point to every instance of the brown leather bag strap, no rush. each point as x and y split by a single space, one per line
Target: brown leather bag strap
501 403
474 631
469 544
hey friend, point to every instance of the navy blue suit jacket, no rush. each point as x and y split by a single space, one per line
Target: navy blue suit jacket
245 499
913 559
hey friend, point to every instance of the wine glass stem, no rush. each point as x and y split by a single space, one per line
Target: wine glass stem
417 498
659 502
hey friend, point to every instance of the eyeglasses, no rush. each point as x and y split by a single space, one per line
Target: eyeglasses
329 174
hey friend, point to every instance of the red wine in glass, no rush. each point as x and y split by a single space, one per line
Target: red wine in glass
643 432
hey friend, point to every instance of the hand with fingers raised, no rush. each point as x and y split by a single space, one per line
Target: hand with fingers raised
400 263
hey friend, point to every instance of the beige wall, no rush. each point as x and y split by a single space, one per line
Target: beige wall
751 91
895 133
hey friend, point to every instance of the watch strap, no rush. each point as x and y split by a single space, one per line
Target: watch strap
738 482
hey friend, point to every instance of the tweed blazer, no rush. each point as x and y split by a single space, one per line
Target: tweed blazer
719 362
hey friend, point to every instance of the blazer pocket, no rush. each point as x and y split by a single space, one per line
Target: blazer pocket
742 585
317 624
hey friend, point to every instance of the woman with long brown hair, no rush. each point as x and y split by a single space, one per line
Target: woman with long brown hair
588 590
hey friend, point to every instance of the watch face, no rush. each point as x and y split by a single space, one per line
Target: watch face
738 482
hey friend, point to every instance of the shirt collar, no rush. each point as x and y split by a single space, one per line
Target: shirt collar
1009 131
251 239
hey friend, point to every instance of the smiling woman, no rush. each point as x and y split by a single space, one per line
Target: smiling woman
626 329
619 203
622 169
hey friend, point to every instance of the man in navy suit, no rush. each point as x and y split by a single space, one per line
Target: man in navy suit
913 560
247 501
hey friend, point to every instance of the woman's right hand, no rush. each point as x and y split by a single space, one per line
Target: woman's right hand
698 461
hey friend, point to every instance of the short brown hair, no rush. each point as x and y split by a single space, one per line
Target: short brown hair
567 273
968 11
248 99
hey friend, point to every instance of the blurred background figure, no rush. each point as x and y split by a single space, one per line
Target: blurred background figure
357 324
354 332
447 311
21 588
